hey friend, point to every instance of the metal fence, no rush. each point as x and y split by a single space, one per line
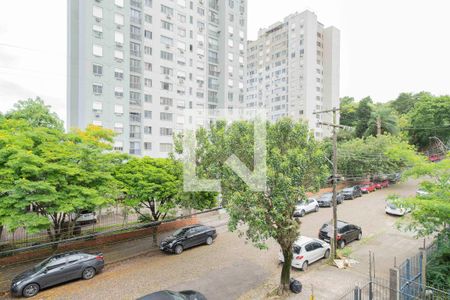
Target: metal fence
411 272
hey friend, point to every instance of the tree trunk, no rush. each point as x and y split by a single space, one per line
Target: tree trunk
1 231
285 272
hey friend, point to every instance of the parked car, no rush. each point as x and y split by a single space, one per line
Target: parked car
393 209
306 206
326 200
384 183
352 192
188 237
87 217
55 270
368 187
307 250
346 233
171 295
394 178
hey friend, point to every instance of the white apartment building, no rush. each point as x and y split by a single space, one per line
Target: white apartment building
134 66
293 70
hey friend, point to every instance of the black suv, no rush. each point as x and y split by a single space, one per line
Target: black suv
188 237
345 233
351 192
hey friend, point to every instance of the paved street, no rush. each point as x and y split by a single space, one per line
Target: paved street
231 268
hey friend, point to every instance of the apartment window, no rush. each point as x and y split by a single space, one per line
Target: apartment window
97 123
166 10
97 70
230 96
135 98
118 55
230 56
118 74
97 12
135 117
241 34
148 98
163 131
135 16
118 145
118 37
118 127
231 3
166 116
148 82
147 114
166 40
135 32
118 92
148 66
97 31
148 129
213 83
135 49
119 3
201 11
97 50
166 55
148 19
230 43
118 19
165 147
166 25
213 57
118 109
97 106
230 83
97 88
166 86
149 3
148 50
181 3
135 131
166 71
213 17
147 146
181 46
135 65
135 82
166 101
148 34
231 17
182 18
135 148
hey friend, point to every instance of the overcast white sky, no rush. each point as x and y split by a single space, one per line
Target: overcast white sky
387 46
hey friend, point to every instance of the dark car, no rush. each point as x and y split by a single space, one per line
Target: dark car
188 237
326 200
351 192
55 270
345 233
171 295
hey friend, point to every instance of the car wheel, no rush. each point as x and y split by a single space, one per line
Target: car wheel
302 213
209 240
178 249
30 290
341 244
317 208
327 254
305 266
88 273
359 236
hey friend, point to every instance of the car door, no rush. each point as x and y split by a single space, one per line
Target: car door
309 206
55 272
74 266
354 231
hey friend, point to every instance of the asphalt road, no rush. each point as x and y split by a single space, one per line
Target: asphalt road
231 268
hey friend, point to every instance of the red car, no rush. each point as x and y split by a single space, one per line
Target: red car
368 187
381 184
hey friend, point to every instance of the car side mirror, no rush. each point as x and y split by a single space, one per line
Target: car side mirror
44 271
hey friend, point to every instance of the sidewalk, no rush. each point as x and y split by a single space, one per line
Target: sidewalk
117 252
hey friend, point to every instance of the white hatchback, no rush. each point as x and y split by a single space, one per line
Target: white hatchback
307 250
306 206
392 209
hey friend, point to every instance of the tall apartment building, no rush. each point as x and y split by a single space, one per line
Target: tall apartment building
293 70
134 66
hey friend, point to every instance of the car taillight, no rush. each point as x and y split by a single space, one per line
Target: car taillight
299 257
99 257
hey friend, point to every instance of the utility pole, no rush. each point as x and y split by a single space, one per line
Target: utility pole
334 125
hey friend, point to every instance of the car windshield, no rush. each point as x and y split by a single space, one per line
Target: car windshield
326 196
180 232
392 205
348 190
301 202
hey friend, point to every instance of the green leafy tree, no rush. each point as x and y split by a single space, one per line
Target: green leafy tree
36 113
363 114
295 165
430 117
56 175
405 102
348 111
382 120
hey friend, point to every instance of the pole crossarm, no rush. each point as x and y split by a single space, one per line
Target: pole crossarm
325 111
332 125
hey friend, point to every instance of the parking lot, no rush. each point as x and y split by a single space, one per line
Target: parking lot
231 268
